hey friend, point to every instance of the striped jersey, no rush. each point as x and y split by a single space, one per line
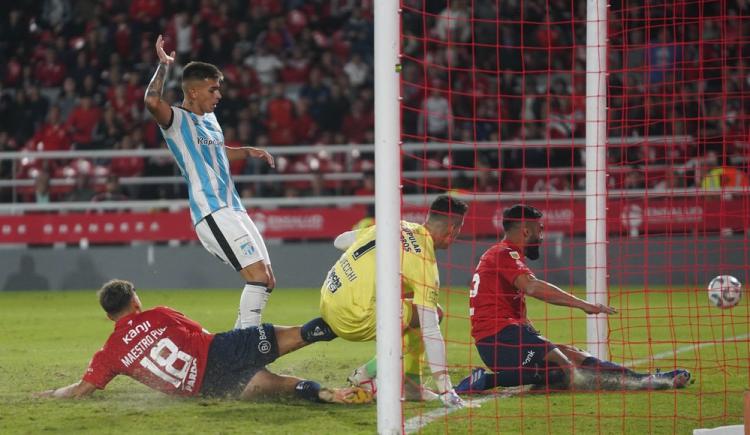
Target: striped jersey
197 144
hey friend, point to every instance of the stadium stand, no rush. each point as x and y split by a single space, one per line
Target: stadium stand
300 73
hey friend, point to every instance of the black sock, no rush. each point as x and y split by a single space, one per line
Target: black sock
308 390
608 367
317 330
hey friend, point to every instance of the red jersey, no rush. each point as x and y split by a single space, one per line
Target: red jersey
494 302
53 137
127 166
160 348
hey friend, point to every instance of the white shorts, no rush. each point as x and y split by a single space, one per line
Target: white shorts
233 237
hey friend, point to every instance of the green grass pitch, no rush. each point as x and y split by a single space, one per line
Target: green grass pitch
46 340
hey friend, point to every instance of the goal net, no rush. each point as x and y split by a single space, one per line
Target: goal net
493 107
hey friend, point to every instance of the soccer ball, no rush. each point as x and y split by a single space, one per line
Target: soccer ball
725 291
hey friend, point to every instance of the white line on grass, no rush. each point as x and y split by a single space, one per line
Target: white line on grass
679 350
417 423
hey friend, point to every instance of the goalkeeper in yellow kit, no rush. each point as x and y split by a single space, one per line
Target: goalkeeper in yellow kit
347 302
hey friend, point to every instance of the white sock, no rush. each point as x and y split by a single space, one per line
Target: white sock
253 300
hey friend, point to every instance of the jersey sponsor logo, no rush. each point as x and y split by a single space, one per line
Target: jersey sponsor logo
410 241
432 296
132 333
529 355
333 282
264 346
514 255
207 141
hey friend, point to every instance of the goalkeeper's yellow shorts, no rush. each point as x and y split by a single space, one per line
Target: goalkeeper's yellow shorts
354 323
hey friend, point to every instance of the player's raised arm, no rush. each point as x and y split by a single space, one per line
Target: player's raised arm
552 294
159 108
72 391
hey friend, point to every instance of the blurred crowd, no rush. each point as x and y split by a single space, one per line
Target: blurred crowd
296 72
483 70
301 72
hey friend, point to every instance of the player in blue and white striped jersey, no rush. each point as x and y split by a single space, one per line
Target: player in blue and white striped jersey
196 141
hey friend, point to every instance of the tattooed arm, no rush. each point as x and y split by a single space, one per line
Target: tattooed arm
159 108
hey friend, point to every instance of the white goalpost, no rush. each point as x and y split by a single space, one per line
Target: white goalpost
388 197
388 215
596 181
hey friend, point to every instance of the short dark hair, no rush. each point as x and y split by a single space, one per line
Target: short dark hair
201 71
518 213
115 295
447 206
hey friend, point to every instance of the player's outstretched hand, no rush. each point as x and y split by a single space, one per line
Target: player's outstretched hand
348 396
163 58
258 153
599 309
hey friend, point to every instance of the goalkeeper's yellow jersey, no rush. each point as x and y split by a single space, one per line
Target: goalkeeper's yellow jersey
347 299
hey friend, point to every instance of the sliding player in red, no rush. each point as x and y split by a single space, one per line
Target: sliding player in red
515 352
166 351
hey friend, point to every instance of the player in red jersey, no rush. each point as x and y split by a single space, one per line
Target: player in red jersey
515 352
164 350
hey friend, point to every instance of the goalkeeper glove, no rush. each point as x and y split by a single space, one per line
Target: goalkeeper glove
452 400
